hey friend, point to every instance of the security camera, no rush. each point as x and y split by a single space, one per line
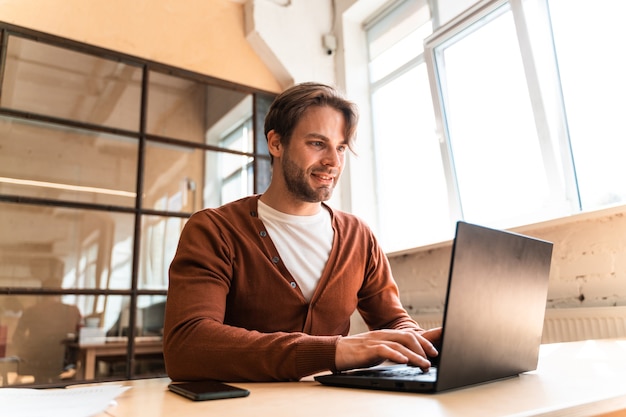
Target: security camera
329 42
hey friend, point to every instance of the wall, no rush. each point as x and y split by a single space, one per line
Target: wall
288 36
588 264
449 9
204 36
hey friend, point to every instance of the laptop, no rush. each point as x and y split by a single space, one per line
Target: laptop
493 318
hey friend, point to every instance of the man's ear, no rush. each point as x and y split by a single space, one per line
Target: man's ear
273 144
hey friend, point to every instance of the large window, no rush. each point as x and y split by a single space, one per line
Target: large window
527 98
103 157
489 127
592 63
411 186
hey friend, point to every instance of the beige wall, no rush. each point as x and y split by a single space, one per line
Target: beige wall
588 264
204 36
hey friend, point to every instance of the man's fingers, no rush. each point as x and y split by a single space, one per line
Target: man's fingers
400 346
413 340
398 352
433 335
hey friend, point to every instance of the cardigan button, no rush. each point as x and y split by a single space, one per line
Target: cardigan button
275 259
263 233
293 284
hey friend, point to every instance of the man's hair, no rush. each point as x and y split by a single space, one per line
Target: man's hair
288 108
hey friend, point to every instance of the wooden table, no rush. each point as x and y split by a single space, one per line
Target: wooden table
90 352
572 379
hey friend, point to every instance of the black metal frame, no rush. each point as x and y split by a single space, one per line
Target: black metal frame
261 101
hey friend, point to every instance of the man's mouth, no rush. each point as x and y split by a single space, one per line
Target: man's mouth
324 178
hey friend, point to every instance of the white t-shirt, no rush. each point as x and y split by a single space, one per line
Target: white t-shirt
303 242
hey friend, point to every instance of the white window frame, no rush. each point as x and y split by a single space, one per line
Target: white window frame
547 105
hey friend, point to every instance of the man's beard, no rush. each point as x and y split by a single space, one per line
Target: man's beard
298 184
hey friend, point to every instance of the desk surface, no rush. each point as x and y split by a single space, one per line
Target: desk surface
572 379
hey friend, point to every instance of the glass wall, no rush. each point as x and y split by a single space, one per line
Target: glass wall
103 157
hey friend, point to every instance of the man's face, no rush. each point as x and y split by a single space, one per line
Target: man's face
312 162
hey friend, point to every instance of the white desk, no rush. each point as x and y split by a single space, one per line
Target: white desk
573 379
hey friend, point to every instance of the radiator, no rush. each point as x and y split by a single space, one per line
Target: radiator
570 324
567 324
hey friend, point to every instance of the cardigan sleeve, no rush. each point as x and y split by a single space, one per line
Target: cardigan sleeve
379 298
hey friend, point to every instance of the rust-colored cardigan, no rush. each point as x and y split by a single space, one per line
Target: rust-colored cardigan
234 312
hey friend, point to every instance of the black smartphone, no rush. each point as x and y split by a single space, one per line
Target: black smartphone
207 390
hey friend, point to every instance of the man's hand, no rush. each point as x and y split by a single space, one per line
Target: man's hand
400 346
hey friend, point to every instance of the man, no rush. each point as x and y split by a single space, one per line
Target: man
40 336
262 289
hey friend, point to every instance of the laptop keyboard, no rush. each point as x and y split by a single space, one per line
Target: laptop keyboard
397 372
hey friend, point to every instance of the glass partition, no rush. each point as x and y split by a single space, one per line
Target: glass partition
160 239
173 178
47 337
103 157
64 163
192 110
49 80
81 249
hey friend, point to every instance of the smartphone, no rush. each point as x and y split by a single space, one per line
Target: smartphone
207 390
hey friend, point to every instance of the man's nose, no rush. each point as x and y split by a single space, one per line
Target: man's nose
333 158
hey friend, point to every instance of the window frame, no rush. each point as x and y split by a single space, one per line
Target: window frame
542 113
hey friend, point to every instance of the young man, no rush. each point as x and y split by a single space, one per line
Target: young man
262 289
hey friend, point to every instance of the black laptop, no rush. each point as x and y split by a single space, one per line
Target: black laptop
493 319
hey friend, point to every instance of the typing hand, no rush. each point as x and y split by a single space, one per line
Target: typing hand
371 348
434 336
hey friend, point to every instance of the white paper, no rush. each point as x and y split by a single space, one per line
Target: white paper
74 401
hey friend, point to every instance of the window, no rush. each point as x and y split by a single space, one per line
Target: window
525 145
525 127
411 186
236 170
593 94
104 157
493 143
